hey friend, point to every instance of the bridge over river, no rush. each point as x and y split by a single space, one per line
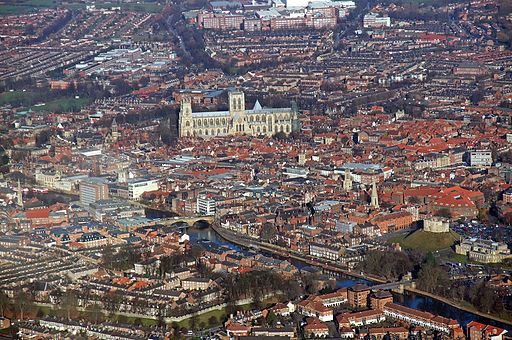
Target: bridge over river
190 221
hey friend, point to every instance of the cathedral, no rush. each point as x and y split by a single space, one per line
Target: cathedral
237 120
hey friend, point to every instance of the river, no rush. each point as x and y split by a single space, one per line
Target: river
407 299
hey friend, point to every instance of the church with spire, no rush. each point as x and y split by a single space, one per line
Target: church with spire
237 120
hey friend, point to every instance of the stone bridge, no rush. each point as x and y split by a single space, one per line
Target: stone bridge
394 286
189 220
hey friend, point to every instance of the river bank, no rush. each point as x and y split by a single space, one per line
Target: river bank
282 252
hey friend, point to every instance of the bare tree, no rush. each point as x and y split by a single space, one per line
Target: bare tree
23 302
69 303
4 303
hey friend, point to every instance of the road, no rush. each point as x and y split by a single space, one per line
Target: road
351 26
171 21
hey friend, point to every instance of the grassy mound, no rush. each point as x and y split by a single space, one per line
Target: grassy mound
425 241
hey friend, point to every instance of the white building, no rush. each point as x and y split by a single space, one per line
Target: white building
480 158
205 204
374 20
137 187
297 3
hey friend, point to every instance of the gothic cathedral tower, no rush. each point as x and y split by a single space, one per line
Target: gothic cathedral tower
237 113
185 118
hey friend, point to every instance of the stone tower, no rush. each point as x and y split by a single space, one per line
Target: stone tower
375 196
185 118
302 158
237 113
122 174
114 131
295 117
19 195
347 183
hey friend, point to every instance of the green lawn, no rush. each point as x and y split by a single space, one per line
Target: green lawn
25 6
453 257
145 322
16 98
135 7
45 310
219 315
425 241
29 6
28 100
63 105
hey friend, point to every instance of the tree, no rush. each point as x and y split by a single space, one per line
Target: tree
121 87
123 319
4 160
23 303
256 302
69 303
43 137
212 321
193 322
4 303
476 97
95 313
268 232
432 279
271 319
484 298
430 259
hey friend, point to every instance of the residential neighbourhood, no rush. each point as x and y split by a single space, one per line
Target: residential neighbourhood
255 169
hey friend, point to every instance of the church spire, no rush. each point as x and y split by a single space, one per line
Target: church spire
114 131
375 196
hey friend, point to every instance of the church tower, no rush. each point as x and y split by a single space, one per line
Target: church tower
114 131
185 118
19 195
295 117
347 182
237 113
375 196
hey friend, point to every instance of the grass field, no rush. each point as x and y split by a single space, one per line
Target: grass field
148 7
15 97
63 105
425 241
29 6
221 314
28 99
24 6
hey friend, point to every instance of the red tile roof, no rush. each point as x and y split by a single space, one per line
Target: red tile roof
37 213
